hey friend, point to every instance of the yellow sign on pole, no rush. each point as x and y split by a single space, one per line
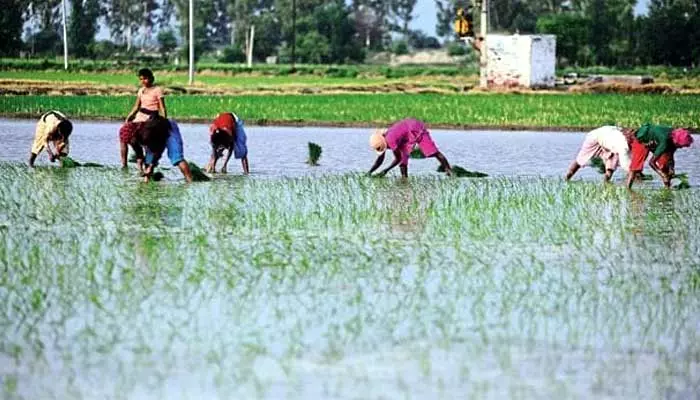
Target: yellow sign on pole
464 25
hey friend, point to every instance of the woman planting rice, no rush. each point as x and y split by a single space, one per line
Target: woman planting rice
400 138
662 142
52 128
158 135
227 133
609 143
149 104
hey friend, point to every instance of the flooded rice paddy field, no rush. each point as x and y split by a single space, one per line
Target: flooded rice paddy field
317 282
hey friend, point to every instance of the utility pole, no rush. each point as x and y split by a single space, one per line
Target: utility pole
483 61
65 38
294 34
191 68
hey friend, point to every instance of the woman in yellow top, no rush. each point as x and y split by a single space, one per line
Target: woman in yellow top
53 128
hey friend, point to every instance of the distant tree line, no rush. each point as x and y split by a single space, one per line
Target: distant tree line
589 32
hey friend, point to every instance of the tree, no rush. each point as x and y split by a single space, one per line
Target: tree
167 41
374 16
445 18
83 26
11 21
420 40
211 23
403 12
670 32
572 31
367 26
123 19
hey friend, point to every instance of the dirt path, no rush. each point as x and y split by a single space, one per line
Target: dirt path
39 87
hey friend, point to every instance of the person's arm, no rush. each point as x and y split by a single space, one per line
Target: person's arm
52 156
147 173
665 178
608 175
32 158
397 160
151 160
161 107
443 162
185 169
228 157
134 110
377 163
211 165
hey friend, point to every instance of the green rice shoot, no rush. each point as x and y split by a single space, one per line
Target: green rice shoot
314 153
460 172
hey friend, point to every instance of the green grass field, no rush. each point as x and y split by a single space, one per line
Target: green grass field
180 79
490 110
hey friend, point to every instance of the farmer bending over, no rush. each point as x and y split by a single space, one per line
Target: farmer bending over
150 103
662 141
52 128
158 135
400 138
227 133
610 144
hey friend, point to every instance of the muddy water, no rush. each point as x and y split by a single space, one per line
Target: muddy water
282 151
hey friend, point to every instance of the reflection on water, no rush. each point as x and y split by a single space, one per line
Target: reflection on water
343 286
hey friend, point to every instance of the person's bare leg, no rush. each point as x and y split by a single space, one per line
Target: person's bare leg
185 169
244 164
573 168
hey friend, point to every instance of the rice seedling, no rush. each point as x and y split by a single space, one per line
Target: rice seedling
463 173
683 184
198 174
491 110
417 154
314 154
251 286
68 162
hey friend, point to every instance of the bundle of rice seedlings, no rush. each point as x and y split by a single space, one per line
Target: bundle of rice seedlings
683 184
417 154
598 164
67 162
463 173
157 176
197 174
314 153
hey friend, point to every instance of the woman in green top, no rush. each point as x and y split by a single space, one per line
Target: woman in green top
662 141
